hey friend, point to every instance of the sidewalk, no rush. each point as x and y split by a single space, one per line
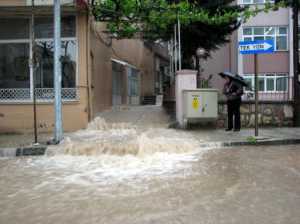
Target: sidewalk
152 117
20 145
267 136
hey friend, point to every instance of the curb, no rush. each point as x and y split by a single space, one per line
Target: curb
40 150
26 151
265 142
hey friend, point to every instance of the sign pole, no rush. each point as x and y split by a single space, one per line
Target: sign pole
255 48
256 93
57 72
33 61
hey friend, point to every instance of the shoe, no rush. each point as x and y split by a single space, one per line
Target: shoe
236 130
228 129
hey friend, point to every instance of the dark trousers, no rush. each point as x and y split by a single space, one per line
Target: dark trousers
233 107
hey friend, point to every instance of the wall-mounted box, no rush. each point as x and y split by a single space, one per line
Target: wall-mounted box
200 105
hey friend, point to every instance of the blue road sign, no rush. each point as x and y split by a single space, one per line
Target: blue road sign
256 47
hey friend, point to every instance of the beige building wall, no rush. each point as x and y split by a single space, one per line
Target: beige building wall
223 59
267 63
101 69
102 50
12 2
148 73
94 81
135 52
18 118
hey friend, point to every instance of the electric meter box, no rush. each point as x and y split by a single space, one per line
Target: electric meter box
200 105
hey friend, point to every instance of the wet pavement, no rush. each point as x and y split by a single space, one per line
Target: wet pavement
232 185
22 140
155 119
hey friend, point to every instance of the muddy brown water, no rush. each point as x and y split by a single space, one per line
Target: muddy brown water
234 185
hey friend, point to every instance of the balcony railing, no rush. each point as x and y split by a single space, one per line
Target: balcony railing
42 95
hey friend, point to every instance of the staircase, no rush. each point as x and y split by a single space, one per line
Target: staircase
149 100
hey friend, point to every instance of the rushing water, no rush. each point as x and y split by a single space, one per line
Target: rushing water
119 174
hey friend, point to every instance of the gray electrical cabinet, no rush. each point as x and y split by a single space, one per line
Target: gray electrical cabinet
200 105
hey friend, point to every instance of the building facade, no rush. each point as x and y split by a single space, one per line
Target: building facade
97 72
275 71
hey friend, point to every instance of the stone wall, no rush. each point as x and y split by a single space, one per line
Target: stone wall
270 114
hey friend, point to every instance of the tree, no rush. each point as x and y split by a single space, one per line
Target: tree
205 23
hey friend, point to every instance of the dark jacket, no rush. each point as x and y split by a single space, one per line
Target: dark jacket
233 90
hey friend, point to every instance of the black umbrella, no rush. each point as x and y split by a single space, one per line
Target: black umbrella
235 77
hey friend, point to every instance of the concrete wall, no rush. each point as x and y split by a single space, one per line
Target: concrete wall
272 18
133 51
136 53
19 117
277 62
101 69
223 59
12 2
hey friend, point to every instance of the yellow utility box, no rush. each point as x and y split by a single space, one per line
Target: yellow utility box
200 105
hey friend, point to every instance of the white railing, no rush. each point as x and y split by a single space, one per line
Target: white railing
46 94
14 95
42 95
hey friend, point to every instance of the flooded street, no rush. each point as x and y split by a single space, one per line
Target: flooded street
234 185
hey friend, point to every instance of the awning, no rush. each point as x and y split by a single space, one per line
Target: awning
124 63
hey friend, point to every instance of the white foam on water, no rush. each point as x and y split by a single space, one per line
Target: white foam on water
106 154
106 170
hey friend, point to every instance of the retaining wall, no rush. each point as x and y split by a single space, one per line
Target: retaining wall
271 114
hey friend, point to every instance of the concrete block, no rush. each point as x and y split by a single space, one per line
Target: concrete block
288 111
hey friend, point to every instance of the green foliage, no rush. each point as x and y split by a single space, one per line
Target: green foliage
288 3
252 140
205 23
153 19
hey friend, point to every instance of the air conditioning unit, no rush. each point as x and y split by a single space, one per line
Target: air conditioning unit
48 2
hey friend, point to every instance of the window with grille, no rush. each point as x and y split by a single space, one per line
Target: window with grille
16 48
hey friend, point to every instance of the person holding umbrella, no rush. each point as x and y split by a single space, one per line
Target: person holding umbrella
233 90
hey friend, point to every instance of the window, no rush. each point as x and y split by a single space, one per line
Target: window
44 27
133 89
14 59
278 34
44 74
268 83
14 29
257 1
16 76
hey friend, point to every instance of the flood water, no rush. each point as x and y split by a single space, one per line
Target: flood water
146 178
